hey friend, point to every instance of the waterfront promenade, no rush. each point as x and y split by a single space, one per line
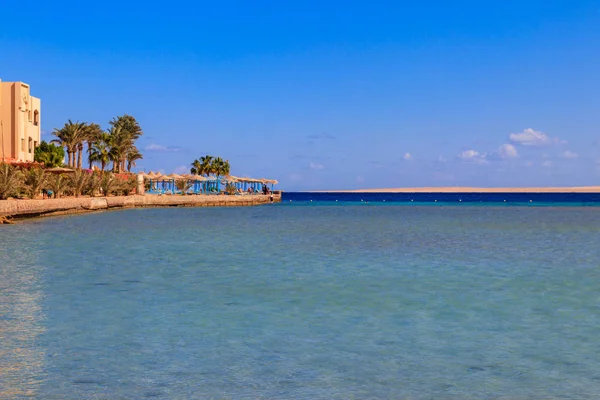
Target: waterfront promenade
16 209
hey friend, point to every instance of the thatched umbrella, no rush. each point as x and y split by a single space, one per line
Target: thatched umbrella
229 179
60 170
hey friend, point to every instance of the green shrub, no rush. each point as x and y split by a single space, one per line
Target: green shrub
58 184
93 185
49 154
107 183
230 188
11 181
35 181
78 182
183 185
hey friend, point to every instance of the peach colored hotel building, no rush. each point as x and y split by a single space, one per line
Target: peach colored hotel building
20 131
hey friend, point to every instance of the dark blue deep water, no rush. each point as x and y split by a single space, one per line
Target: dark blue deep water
452 198
304 300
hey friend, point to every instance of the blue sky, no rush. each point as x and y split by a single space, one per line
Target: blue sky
328 94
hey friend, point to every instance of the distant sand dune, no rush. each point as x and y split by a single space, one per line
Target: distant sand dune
465 189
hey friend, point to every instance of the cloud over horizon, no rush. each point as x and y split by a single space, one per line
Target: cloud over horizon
472 156
531 137
507 151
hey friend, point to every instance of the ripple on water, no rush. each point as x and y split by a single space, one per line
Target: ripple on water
323 302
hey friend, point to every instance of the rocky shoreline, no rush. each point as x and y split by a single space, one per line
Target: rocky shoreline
11 210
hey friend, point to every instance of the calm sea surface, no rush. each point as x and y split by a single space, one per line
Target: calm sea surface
307 301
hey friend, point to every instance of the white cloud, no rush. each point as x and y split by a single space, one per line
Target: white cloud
547 164
407 157
182 169
316 167
570 155
159 147
531 137
442 159
507 151
473 156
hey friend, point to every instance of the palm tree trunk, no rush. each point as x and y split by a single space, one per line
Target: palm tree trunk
89 152
70 158
80 160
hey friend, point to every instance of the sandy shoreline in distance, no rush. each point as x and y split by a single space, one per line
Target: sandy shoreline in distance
465 189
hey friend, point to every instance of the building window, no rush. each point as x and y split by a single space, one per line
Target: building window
36 117
35 145
22 144
30 145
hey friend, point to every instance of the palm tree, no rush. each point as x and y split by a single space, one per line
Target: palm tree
226 168
70 137
120 144
101 150
126 130
196 168
207 165
220 167
132 156
93 133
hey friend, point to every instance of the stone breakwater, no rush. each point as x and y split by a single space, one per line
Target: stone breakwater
13 209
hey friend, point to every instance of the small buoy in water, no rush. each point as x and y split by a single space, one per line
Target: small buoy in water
531 201
459 200
411 200
505 201
435 201
361 200
311 201
383 199
336 201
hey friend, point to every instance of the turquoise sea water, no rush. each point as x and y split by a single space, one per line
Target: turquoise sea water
303 302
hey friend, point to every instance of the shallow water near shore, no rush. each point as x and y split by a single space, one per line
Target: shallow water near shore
295 302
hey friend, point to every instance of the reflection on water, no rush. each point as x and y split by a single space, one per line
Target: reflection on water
21 318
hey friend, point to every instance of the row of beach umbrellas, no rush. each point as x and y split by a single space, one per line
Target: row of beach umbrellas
158 176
